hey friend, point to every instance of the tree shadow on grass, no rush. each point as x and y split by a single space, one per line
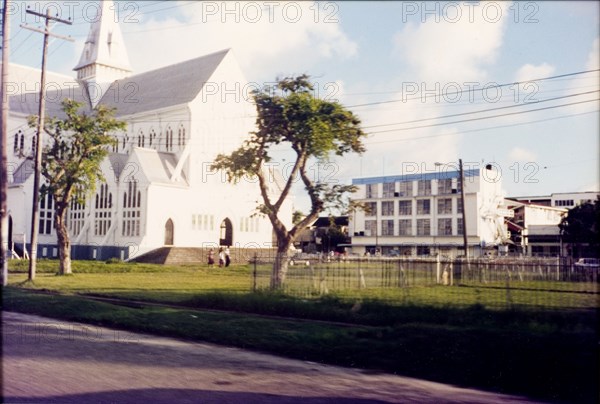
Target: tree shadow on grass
165 395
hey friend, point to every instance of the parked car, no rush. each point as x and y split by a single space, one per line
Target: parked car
587 269
588 263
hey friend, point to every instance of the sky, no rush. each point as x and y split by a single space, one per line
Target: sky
427 79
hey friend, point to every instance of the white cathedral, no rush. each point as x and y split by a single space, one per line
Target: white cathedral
159 189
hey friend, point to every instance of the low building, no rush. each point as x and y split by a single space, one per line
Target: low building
420 214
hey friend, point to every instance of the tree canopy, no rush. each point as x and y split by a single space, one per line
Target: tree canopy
78 143
313 128
581 225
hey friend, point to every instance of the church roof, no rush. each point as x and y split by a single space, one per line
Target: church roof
28 103
117 162
172 85
23 172
161 88
158 167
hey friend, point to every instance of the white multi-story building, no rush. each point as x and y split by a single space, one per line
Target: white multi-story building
420 214
159 189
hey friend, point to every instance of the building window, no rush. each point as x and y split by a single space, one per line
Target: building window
371 190
459 226
46 213
371 209
370 227
387 208
169 139
181 136
388 189
564 202
387 227
76 217
424 187
102 211
423 250
423 206
445 186
444 206
423 227
405 208
444 227
151 137
405 227
405 188
19 142
131 210
459 205
141 139
33 144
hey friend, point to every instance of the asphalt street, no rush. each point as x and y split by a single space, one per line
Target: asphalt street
55 361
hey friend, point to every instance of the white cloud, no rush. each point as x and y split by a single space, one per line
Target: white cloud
521 154
266 45
593 61
446 51
532 72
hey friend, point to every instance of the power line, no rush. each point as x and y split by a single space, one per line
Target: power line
488 87
483 129
485 117
480 111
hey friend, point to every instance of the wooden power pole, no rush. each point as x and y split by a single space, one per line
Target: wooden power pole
3 143
35 212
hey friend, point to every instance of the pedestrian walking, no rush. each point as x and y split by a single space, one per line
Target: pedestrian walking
211 258
221 257
227 257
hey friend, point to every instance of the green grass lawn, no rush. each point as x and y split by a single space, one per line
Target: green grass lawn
543 344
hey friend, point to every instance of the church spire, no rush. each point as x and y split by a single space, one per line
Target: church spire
104 58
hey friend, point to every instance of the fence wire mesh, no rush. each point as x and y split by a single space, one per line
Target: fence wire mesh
502 283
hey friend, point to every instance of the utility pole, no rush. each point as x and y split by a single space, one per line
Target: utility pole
3 143
35 212
462 198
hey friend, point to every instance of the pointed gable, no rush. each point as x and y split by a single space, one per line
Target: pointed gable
164 87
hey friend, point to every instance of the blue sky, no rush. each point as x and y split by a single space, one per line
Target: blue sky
370 52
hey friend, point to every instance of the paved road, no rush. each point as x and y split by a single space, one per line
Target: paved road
50 361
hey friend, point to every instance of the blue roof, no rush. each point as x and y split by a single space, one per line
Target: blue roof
438 175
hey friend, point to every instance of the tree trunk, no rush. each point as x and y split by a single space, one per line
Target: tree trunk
280 267
64 242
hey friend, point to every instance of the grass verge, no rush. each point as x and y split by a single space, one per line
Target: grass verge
477 349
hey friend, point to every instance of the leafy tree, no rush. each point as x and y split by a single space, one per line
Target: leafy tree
331 236
71 162
297 216
581 225
313 128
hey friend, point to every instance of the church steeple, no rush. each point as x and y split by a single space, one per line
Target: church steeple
104 58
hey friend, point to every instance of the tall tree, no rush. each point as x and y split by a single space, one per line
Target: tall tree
581 226
71 163
313 128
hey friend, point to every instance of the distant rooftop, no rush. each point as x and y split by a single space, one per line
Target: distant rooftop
437 175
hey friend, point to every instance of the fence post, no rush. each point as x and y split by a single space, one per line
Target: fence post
254 273
437 268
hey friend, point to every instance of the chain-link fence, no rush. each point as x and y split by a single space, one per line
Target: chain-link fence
500 283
